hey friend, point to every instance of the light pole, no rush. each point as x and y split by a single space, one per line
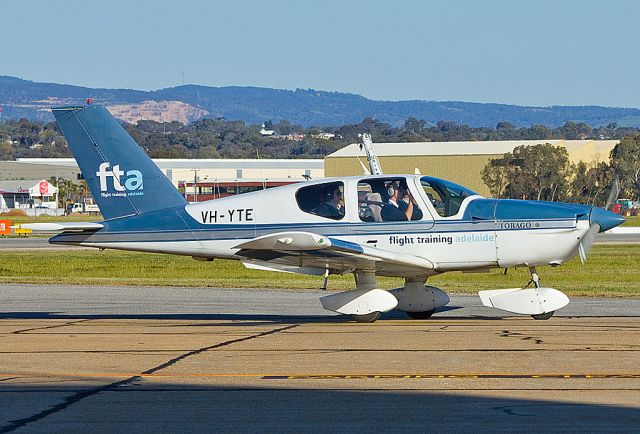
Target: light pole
195 185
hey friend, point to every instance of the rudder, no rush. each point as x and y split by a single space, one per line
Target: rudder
122 178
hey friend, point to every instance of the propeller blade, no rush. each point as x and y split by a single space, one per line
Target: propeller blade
585 244
582 253
613 193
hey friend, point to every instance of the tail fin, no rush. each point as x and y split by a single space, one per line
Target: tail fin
122 178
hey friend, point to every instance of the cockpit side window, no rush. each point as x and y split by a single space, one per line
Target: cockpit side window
386 199
445 196
324 200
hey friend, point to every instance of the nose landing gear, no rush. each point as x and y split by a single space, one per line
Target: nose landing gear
535 279
539 302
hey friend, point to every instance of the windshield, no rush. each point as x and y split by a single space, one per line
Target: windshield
445 196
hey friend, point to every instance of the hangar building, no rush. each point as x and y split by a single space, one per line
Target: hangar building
460 162
184 170
197 179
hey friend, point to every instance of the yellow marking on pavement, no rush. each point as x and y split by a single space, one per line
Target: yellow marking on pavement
340 376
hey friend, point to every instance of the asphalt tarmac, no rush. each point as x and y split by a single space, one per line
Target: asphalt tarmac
93 358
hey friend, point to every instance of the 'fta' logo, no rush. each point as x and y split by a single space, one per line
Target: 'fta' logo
132 181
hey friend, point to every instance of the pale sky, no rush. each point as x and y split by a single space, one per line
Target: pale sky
523 52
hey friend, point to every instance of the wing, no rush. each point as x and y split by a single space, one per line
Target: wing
309 253
59 227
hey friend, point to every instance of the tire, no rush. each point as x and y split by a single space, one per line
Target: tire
367 317
421 315
543 316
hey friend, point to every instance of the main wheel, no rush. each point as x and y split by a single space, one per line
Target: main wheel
545 315
367 317
421 315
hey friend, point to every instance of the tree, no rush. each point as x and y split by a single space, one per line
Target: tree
6 151
496 175
625 161
590 185
67 190
531 172
414 126
541 171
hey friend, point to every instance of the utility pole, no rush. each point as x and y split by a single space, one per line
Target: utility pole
195 185
57 190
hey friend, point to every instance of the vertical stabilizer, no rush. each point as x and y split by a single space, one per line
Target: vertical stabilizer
122 178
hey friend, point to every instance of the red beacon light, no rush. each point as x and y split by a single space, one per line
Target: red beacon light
89 101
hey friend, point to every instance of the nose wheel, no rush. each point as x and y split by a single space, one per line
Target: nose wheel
545 315
367 317
535 279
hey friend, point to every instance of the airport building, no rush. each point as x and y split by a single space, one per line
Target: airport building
27 194
197 179
460 162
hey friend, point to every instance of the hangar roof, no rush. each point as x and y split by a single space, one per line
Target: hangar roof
218 163
17 186
474 148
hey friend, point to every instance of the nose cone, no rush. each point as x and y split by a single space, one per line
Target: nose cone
605 219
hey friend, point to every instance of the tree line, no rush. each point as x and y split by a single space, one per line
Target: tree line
544 172
221 138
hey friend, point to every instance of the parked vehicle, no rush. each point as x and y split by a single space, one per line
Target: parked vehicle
87 207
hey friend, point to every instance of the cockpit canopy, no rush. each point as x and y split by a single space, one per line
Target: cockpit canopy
445 196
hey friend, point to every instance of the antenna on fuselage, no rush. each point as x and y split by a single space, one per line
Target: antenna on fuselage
365 171
372 158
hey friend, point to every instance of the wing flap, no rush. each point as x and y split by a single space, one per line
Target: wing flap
283 268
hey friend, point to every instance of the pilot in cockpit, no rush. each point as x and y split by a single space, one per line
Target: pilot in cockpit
400 205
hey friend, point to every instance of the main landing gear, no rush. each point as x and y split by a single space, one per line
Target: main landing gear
419 300
367 302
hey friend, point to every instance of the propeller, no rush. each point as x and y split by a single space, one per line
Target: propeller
613 192
585 244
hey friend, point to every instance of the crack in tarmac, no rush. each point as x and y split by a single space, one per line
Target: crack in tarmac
70 400
19 332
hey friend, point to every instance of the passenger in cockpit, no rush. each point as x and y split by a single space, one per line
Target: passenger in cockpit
401 205
332 207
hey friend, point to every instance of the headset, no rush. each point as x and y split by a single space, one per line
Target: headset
392 187
328 195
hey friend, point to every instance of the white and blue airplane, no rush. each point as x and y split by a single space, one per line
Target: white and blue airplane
407 226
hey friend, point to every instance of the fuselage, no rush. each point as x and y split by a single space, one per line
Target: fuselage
457 229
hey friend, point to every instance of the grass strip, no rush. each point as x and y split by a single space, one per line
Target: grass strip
612 271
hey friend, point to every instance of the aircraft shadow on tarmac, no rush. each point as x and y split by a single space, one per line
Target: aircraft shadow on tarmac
271 318
161 407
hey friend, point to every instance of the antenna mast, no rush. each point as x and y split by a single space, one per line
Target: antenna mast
372 158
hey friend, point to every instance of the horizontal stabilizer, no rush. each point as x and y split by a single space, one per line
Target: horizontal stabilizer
59 227
529 301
